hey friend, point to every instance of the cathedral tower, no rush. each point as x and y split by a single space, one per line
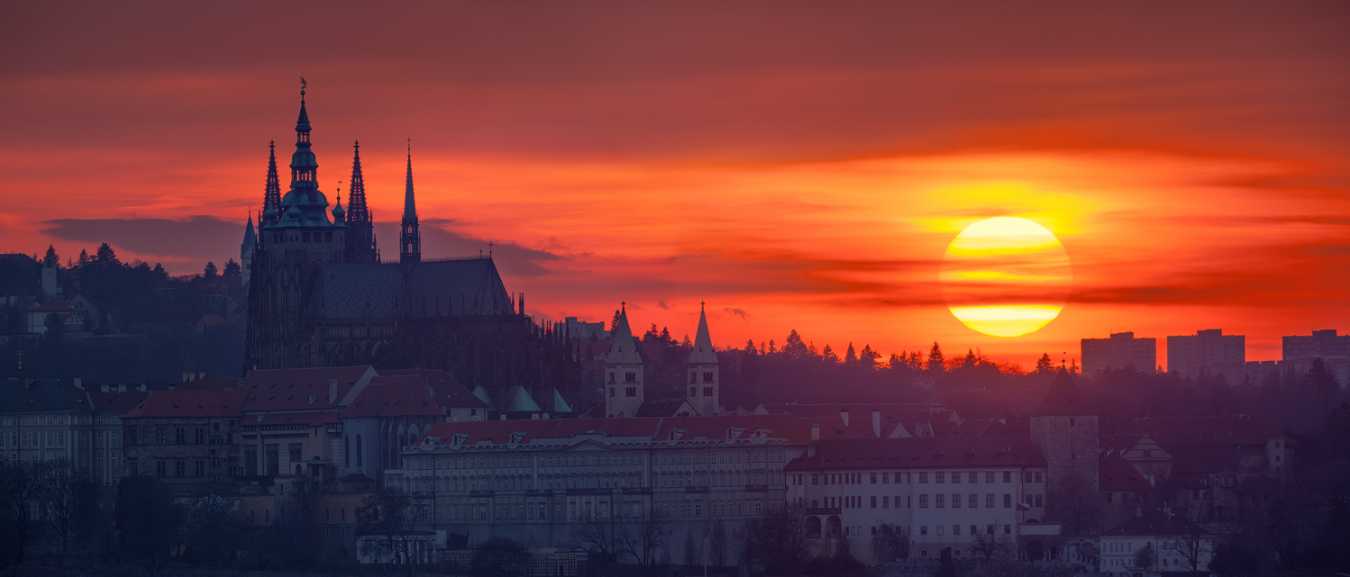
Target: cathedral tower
410 239
623 370
704 386
246 249
295 240
360 223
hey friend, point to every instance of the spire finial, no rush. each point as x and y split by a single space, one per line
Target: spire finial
303 87
623 306
700 305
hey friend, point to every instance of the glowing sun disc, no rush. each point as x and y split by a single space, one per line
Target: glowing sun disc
1006 276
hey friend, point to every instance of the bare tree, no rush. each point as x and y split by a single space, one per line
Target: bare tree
598 537
17 493
1193 544
990 547
68 501
384 516
645 538
1145 558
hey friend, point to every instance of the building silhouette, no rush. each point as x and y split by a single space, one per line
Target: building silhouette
1207 352
1120 351
319 294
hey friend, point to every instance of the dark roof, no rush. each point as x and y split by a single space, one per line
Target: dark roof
189 403
1119 476
116 403
463 287
917 454
794 430
41 396
448 391
659 407
300 389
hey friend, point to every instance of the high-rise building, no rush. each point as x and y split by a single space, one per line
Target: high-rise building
1120 351
1207 352
1333 350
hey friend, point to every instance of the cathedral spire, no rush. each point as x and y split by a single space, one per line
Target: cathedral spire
357 210
410 241
272 192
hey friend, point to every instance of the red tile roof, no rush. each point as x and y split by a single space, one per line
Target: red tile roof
300 389
918 453
794 430
395 396
189 403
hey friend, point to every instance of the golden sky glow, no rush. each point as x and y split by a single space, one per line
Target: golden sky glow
796 165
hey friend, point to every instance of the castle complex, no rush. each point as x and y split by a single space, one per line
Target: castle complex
320 295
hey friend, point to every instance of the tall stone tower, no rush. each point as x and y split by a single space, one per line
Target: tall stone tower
246 249
296 238
624 388
704 386
410 238
360 222
1072 448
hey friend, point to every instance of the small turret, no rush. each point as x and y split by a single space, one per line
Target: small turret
623 369
704 386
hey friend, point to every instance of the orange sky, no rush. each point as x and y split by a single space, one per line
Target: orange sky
795 164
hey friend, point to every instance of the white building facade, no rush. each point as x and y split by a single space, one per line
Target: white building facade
932 495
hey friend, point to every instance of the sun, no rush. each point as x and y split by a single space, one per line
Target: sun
1006 276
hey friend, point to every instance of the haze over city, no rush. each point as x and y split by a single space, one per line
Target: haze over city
804 169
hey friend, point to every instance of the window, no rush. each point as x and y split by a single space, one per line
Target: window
973 501
707 391
956 477
1007 529
989 476
611 389
923 530
874 501
972 477
630 392
940 477
1026 476
923 501
885 501
974 530
1040 500
179 436
940 530
1007 476
693 380
707 377
630 377
200 436
693 392
923 477
293 451
956 500
939 500
161 470
989 501
956 530
1007 500
200 467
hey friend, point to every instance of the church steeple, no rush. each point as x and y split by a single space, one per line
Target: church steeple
704 386
357 210
410 241
304 166
272 192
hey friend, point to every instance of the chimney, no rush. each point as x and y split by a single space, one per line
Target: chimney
843 416
876 424
332 391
